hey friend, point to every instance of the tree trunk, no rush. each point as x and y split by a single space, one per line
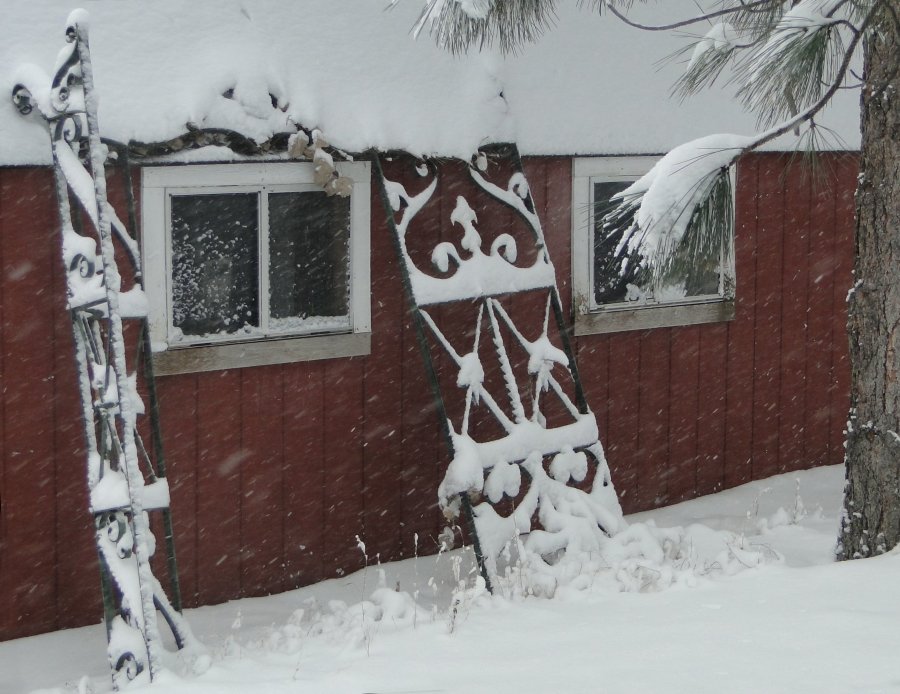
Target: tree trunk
871 519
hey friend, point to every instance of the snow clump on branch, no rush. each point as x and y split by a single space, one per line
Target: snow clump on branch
664 199
720 38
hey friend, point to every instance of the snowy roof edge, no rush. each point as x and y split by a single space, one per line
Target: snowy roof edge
588 88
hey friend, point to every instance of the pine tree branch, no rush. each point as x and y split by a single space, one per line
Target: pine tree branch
836 7
823 101
744 7
696 199
846 23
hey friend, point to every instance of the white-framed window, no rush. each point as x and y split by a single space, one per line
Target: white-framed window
253 263
698 289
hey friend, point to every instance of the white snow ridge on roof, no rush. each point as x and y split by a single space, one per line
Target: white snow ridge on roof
354 70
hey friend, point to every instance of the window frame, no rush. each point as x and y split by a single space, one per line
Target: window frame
214 352
590 318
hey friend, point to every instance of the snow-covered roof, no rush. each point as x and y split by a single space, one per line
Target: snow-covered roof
353 70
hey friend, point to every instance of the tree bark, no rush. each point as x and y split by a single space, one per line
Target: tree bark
871 518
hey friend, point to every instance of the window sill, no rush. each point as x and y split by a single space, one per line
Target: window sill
653 317
239 355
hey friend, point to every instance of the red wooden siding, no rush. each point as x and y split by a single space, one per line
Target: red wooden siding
276 470
32 472
692 410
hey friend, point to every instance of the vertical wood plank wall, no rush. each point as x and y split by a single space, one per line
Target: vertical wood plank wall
276 470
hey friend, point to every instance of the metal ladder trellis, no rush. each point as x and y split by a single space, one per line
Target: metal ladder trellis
125 479
534 469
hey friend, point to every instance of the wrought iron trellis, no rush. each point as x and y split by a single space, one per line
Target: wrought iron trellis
125 479
556 460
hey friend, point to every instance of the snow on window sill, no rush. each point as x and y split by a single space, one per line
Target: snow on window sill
279 328
239 355
649 317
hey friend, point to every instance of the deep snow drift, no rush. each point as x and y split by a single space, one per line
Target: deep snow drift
752 602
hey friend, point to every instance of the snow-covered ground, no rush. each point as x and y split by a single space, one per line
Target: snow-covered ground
792 621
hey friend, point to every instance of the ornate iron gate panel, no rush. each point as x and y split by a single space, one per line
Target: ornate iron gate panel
526 469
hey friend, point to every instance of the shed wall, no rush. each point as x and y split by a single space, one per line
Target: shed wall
275 470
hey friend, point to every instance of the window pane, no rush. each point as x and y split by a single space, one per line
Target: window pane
309 260
695 269
214 263
610 284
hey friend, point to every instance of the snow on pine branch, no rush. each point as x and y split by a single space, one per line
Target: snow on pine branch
435 10
461 24
710 55
798 60
721 39
678 195
810 15
663 202
784 57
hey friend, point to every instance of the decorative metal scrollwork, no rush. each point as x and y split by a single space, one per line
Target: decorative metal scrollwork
119 466
83 266
521 485
22 99
115 526
128 666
